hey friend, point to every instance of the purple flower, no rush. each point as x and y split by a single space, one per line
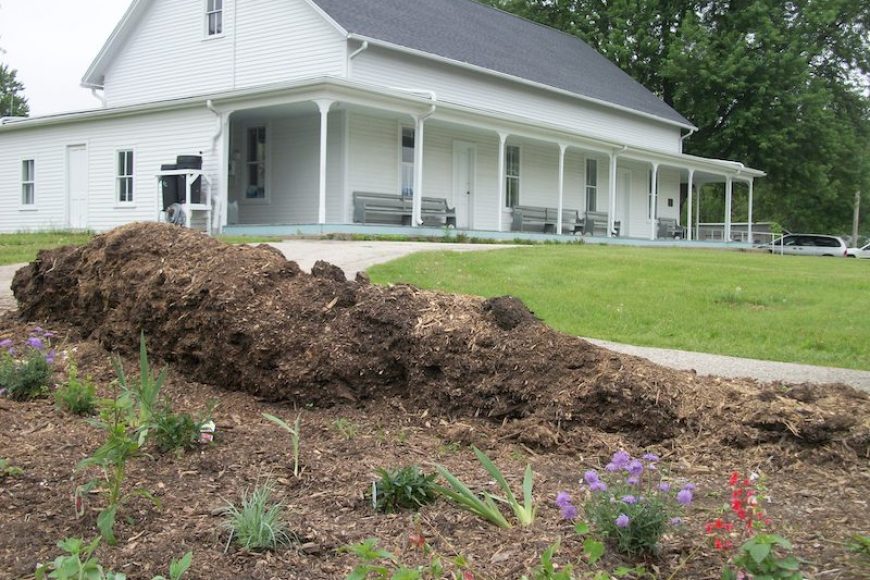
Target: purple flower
665 486
598 486
651 457
689 486
611 467
591 477
676 521
6 343
50 356
620 459
632 480
629 499
622 521
563 498
38 330
635 467
684 497
569 512
34 342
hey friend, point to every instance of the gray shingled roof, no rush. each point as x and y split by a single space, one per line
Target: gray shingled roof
472 33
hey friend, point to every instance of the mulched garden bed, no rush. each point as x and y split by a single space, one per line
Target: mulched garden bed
421 376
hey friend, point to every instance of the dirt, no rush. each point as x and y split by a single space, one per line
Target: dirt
423 375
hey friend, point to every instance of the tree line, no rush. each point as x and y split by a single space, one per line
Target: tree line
782 86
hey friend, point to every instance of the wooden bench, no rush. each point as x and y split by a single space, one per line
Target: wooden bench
669 228
544 218
389 208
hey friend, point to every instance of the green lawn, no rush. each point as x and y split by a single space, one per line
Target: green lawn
795 309
19 248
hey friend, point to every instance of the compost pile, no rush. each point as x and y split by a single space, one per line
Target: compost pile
245 318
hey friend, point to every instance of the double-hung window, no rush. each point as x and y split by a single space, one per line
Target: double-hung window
512 176
256 164
407 162
28 182
124 176
214 17
591 184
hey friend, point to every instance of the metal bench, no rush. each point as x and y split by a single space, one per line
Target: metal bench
544 218
669 228
389 208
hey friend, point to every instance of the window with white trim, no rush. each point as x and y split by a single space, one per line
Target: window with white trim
591 184
255 185
407 162
124 176
28 182
214 17
512 176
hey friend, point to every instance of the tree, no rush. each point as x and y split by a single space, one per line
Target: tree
13 103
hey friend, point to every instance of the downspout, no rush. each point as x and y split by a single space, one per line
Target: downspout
99 97
687 135
220 125
416 216
235 40
362 48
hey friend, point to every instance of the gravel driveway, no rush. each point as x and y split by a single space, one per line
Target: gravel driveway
353 257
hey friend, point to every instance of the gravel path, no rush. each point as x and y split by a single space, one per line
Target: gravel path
353 257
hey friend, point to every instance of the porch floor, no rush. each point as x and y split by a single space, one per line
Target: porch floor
318 230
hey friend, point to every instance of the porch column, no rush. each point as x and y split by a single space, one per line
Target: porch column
698 213
611 198
223 176
324 105
502 139
654 202
728 193
689 210
417 200
561 204
749 220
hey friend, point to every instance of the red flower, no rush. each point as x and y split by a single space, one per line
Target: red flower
416 540
735 477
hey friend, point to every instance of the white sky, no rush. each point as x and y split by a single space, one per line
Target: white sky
51 43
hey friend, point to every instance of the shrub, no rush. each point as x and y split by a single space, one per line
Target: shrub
76 395
405 488
174 431
257 523
28 376
633 506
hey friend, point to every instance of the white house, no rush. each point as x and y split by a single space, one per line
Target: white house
301 109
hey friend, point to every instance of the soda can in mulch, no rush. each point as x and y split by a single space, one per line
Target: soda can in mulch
206 432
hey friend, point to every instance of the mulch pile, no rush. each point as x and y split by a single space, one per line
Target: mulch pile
244 318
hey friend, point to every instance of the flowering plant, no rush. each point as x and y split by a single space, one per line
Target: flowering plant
631 503
746 521
26 374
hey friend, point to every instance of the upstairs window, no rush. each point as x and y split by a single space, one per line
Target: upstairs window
256 161
407 163
28 182
591 184
214 17
124 177
512 176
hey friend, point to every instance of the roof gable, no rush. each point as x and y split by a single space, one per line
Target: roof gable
468 32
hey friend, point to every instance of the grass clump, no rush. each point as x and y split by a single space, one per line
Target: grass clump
76 395
405 488
345 427
257 522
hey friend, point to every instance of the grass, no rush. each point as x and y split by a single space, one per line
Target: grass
22 247
783 308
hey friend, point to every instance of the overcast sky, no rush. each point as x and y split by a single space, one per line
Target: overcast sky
51 43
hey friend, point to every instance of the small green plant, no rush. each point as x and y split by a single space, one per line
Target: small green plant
257 522
380 564
174 431
760 557
547 569
860 544
7 470
295 433
145 394
405 488
345 427
79 563
77 396
26 376
486 508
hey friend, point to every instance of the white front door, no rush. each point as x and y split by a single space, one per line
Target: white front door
623 201
77 185
464 160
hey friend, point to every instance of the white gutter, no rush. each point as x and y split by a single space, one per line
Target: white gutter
362 48
480 69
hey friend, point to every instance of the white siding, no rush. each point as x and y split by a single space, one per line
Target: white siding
668 187
155 139
485 92
168 55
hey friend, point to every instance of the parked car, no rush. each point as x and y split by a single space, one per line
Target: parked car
862 252
809 245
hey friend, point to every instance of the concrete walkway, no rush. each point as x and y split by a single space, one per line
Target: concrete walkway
353 257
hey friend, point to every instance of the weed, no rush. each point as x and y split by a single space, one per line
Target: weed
144 394
77 396
175 431
405 488
257 522
345 427
7 470
295 433
383 565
